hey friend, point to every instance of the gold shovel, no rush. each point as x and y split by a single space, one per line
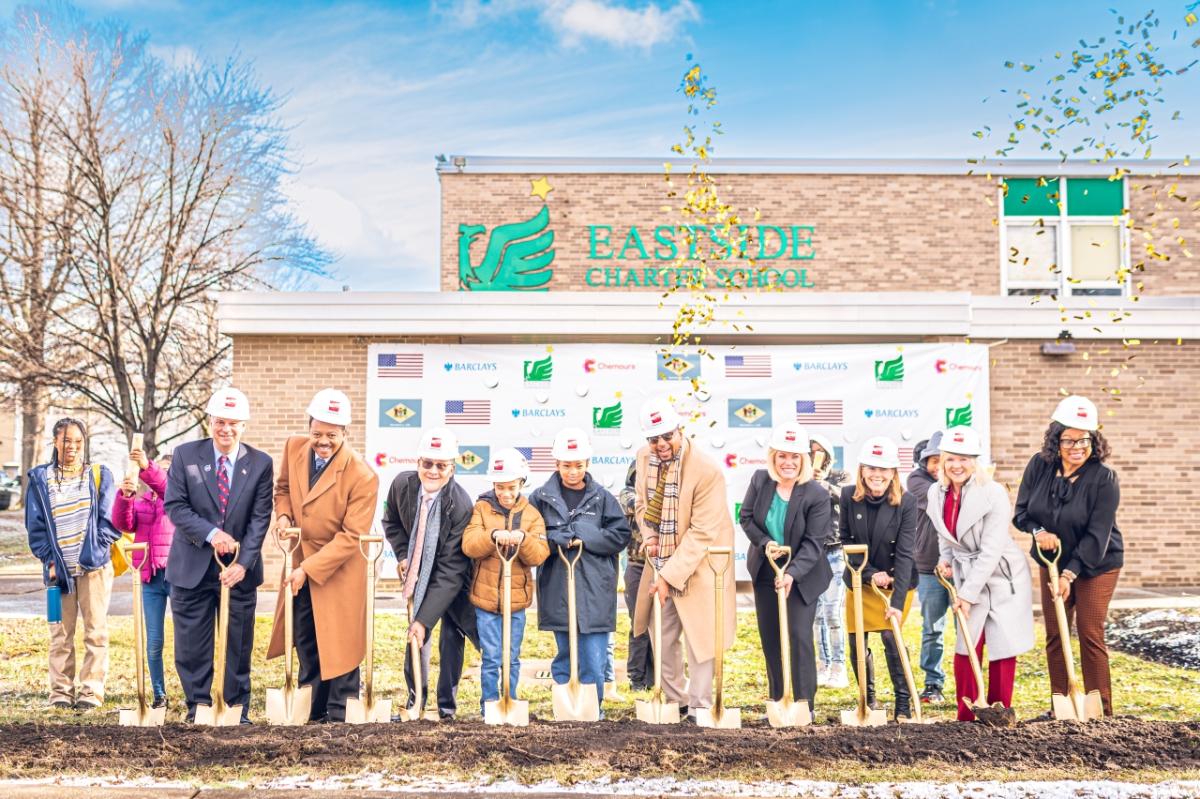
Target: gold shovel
996 715
786 712
905 663
656 709
862 716
719 716
572 700
218 714
365 708
291 705
1076 705
144 715
506 710
417 712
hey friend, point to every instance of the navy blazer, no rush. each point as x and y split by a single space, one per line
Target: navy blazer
191 504
805 529
890 543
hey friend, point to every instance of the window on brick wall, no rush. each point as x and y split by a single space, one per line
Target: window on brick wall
1064 237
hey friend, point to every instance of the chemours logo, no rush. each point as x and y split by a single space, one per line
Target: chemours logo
471 366
539 371
821 366
890 374
591 365
944 367
733 460
384 459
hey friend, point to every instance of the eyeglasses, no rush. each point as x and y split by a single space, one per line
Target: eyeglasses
653 440
441 466
1074 443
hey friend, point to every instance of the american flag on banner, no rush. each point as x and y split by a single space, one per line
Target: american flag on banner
539 458
468 411
819 411
400 364
747 365
906 457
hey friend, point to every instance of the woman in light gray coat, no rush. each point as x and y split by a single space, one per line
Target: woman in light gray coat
990 572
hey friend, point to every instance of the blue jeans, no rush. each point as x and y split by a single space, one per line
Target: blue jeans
610 673
154 603
593 658
491 642
935 602
830 610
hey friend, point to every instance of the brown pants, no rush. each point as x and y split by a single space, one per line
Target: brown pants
1087 608
696 689
89 600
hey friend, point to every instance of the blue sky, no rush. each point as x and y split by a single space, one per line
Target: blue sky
375 90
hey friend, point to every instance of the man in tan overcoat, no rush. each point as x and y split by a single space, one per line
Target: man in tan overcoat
327 490
681 512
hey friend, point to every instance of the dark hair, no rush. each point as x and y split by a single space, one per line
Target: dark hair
59 427
1050 444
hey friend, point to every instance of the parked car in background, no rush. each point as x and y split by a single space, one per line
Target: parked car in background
10 486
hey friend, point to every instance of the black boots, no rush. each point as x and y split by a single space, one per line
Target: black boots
895 671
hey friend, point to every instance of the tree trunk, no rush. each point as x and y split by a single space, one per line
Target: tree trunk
33 405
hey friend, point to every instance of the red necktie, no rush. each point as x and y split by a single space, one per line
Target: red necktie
222 484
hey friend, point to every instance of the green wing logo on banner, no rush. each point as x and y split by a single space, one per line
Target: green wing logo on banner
539 371
608 418
518 256
959 417
890 374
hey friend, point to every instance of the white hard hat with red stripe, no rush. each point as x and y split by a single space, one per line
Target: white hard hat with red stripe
1077 412
228 403
961 441
879 451
439 444
789 437
571 444
507 464
657 417
331 406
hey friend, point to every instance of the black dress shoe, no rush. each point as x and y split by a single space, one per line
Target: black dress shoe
62 704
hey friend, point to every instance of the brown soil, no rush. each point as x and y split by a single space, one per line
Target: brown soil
620 749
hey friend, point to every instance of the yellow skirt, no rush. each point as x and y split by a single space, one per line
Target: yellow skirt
873 607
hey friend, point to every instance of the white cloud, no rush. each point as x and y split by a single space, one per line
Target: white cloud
578 21
179 57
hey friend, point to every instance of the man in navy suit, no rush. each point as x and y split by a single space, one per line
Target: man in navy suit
218 496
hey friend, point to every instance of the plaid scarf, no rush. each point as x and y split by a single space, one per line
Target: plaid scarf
662 505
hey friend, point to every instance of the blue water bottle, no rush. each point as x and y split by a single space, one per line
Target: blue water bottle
54 604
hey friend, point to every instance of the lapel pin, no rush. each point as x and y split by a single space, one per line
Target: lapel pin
208 468
243 471
858 516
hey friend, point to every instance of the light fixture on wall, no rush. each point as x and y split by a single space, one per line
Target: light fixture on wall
1060 347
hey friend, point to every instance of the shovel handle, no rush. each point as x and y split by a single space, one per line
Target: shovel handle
778 549
575 544
237 547
370 540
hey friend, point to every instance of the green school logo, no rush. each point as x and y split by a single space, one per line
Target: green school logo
539 371
959 417
608 418
517 258
890 374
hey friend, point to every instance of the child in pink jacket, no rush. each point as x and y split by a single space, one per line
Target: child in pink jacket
144 517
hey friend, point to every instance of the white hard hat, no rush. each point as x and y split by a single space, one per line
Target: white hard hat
658 417
789 437
507 464
571 444
228 403
1077 412
439 444
331 406
822 442
879 451
962 441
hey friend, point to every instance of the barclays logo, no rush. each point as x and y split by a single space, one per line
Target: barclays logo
892 413
539 413
821 366
478 366
612 460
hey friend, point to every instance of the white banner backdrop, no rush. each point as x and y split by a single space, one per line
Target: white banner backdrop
496 396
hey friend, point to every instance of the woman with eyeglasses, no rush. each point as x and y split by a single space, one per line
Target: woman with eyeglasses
1068 498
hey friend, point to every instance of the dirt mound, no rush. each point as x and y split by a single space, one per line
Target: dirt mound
619 749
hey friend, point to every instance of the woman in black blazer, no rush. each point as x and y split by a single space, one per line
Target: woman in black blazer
876 511
785 507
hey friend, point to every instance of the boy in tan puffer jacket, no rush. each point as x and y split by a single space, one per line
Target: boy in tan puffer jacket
503 516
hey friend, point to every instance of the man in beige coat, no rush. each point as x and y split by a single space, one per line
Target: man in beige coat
681 512
330 493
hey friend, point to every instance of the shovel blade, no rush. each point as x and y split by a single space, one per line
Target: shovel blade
728 718
208 716
289 711
652 711
786 713
872 717
514 713
150 717
575 703
1077 706
1093 706
359 712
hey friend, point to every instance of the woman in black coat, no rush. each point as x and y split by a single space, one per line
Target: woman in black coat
1068 498
785 507
876 511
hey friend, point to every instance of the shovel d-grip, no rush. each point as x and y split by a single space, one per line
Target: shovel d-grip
365 708
785 712
1076 705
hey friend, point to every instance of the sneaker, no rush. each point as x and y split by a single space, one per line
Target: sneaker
823 675
62 704
837 676
159 701
85 705
932 695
